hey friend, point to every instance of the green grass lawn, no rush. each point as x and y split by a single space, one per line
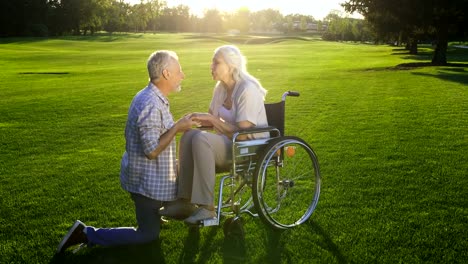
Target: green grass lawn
392 143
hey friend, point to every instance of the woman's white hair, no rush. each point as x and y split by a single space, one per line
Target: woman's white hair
158 61
238 65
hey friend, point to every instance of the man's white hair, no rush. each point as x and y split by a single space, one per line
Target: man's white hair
238 65
158 62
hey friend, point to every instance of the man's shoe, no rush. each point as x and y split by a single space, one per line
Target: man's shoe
177 209
201 214
74 236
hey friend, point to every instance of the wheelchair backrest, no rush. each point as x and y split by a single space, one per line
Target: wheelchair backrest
275 115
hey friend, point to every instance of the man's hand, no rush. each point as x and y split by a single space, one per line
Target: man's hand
182 125
185 123
204 119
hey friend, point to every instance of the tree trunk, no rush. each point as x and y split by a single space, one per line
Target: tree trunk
413 46
440 52
76 31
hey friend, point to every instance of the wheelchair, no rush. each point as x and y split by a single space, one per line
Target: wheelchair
275 178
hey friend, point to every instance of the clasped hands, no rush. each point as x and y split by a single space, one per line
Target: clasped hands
198 120
202 119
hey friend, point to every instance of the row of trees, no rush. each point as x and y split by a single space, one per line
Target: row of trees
408 21
58 17
344 28
415 20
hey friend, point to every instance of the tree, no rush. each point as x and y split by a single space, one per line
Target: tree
23 18
91 14
289 24
298 22
175 18
155 9
343 28
212 21
241 20
303 26
267 20
446 18
334 23
71 15
138 17
390 22
320 26
410 18
116 16
81 15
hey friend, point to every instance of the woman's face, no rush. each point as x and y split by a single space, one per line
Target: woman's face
219 69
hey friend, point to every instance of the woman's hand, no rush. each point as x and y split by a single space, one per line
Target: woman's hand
204 119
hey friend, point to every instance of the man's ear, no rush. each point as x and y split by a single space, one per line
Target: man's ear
165 74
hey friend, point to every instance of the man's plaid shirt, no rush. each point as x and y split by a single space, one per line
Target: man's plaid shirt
148 118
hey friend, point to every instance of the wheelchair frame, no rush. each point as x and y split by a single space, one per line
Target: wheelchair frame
252 161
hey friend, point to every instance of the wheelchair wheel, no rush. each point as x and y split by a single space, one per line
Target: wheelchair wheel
286 183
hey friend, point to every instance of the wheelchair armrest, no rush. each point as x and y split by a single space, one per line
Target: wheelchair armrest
255 130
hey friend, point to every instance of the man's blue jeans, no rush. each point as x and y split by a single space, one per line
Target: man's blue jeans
149 225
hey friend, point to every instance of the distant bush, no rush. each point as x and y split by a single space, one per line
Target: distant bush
39 30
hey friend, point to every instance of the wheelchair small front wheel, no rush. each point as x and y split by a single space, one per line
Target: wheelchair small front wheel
286 183
234 228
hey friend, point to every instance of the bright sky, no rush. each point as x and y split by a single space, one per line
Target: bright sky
316 8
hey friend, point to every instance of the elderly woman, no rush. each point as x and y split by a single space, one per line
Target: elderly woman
237 103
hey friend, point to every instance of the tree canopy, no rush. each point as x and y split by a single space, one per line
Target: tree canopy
81 17
440 20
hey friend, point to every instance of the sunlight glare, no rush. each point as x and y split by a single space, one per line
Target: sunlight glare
316 8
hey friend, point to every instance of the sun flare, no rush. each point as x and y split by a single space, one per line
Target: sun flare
318 9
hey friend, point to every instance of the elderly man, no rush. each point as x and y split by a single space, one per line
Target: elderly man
148 169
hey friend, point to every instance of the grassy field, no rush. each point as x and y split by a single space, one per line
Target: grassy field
392 143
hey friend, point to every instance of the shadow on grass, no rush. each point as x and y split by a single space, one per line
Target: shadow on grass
103 37
458 70
234 250
276 244
98 37
191 246
422 54
46 73
414 65
327 243
209 246
147 253
233 247
23 40
458 75
425 54
246 39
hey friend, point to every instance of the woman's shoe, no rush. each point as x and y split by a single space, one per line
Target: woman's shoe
199 215
177 209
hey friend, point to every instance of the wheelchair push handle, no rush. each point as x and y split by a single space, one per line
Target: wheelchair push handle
290 93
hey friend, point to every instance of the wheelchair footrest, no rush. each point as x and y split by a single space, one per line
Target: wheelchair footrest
210 222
